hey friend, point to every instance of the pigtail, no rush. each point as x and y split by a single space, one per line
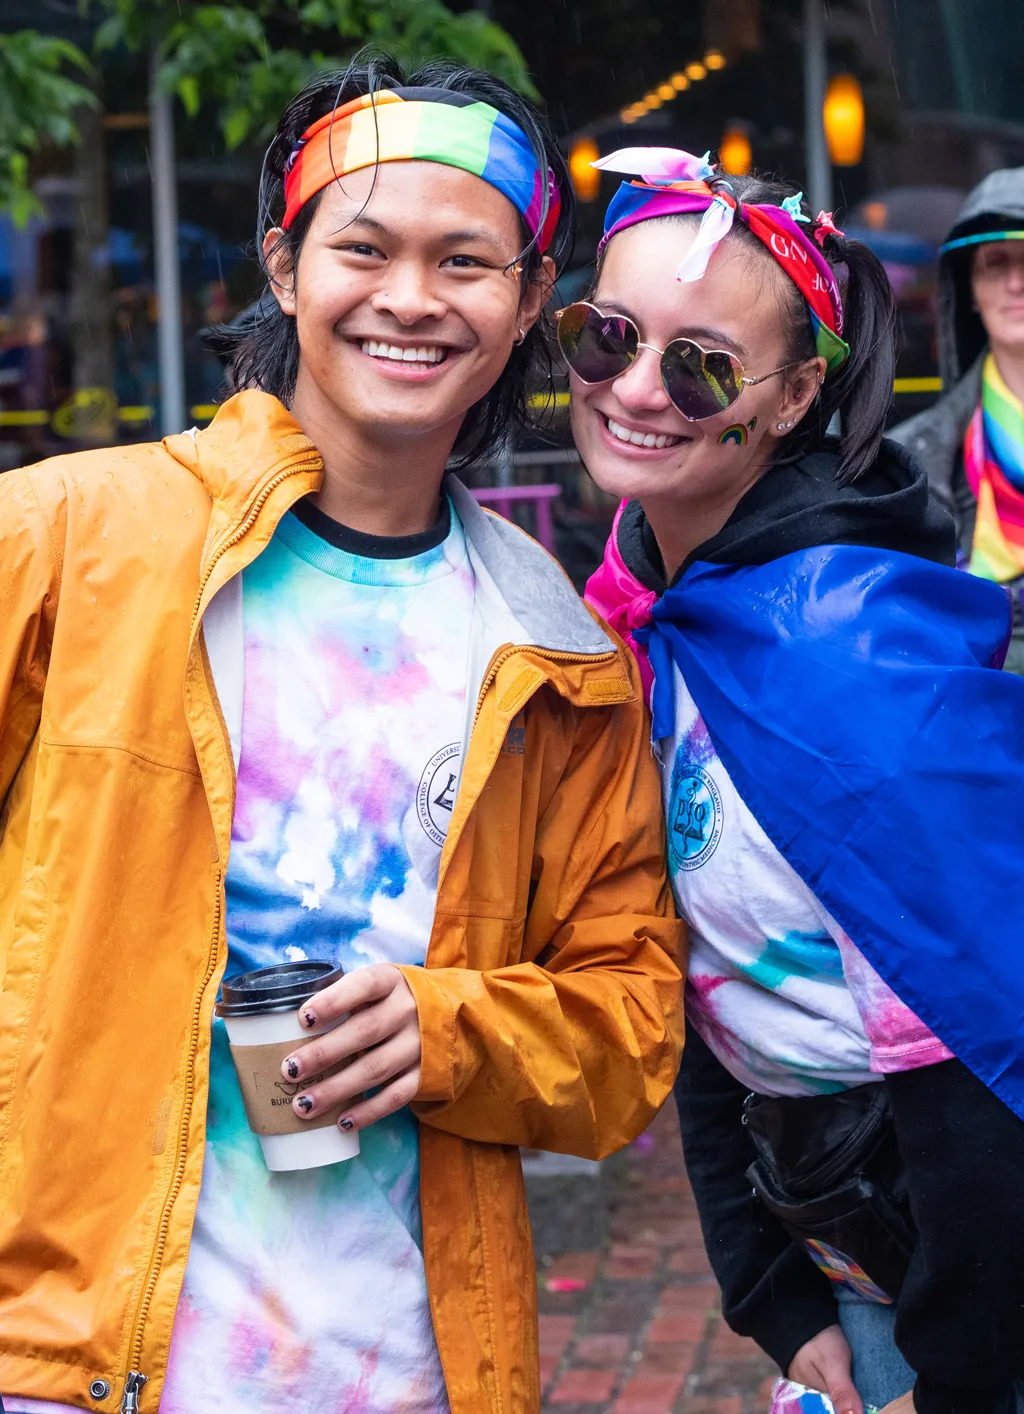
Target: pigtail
860 390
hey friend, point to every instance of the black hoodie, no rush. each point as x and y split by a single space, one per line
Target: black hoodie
801 504
960 1316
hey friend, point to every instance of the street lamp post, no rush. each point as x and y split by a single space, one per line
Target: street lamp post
167 272
819 170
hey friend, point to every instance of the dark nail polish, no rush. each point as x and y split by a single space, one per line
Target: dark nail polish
346 1124
305 1103
308 1018
292 1067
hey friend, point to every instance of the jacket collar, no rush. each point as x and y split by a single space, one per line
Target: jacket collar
253 437
531 584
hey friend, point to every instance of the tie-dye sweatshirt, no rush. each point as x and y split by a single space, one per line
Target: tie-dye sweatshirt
775 987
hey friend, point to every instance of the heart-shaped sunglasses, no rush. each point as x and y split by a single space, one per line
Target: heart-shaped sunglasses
700 382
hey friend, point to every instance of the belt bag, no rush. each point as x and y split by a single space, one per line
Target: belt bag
828 1168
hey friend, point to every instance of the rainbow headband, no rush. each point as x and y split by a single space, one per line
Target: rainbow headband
675 183
424 125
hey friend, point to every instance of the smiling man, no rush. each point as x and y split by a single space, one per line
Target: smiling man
280 691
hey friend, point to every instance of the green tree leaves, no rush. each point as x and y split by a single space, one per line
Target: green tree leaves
249 60
245 60
37 105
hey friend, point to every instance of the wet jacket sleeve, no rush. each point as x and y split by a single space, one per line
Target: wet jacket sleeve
29 579
960 1317
574 1052
771 1290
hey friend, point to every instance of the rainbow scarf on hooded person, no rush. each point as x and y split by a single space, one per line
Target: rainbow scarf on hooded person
994 463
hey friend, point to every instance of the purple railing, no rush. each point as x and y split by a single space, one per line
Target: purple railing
501 498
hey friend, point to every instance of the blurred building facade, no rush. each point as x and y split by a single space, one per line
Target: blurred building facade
944 105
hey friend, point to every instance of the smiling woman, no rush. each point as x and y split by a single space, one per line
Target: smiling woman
831 724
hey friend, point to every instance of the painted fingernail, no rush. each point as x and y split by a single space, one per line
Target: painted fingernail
292 1069
346 1124
305 1103
308 1018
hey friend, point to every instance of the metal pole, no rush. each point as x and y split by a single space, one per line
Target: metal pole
170 346
819 169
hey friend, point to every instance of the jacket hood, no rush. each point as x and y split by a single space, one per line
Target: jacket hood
800 505
792 507
995 204
254 436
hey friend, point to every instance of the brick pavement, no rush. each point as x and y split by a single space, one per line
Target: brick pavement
639 1331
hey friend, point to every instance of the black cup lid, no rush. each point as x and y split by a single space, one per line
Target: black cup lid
282 988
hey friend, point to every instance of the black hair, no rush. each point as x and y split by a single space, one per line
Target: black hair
261 348
859 390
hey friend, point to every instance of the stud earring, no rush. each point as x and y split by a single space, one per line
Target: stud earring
782 426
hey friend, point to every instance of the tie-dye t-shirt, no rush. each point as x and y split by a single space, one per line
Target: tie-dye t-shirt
306 1290
775 987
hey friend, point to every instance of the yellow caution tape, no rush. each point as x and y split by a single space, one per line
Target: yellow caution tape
205 412
917 385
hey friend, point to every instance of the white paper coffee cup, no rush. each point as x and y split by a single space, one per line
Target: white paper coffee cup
261 1013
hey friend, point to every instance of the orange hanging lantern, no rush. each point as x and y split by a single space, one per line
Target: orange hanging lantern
585 179
735 153
843 116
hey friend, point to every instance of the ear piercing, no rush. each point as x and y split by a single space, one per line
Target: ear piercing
522 336
782 426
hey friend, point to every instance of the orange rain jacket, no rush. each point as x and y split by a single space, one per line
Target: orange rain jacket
550 1001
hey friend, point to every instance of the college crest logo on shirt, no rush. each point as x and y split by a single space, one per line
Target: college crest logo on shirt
695 816
435 794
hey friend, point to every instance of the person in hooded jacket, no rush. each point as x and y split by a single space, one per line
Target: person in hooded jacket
843 786
971 442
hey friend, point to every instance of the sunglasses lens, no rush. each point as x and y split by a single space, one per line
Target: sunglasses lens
596 346
700 383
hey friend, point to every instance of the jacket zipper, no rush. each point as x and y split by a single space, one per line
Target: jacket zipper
133 1384
135 1379
245 525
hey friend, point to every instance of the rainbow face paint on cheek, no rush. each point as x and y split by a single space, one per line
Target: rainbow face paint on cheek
736 436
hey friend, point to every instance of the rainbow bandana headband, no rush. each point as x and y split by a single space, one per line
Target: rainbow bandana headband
675 183
425 125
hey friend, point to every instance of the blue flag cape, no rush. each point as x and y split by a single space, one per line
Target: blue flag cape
850 696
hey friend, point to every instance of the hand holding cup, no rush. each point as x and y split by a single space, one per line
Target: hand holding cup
380 1031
